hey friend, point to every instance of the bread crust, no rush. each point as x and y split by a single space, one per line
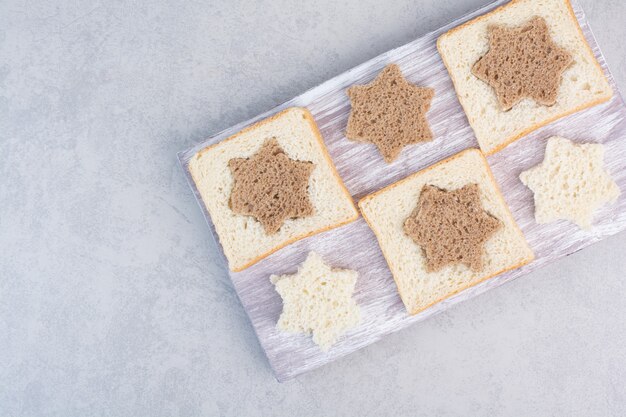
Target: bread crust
419 173
318 136
545 122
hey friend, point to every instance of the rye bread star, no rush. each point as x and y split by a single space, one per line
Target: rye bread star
389 112
523 62
270 186
451 227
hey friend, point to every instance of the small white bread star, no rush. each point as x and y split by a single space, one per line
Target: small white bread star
318 300
570 183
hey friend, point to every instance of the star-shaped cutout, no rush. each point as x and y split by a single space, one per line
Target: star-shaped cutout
271 187
389 112
318 300
451 227
571 182
523 63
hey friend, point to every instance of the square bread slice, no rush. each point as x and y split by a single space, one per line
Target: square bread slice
386 211
583 83
243 238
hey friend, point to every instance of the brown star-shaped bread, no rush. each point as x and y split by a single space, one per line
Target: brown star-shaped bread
451 227
270 186
523 62
389 112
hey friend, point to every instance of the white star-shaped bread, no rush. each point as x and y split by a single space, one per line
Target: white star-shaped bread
318 300
570 183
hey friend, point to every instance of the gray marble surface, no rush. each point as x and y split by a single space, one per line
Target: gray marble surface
112 299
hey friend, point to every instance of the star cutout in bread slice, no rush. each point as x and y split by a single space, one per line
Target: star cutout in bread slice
389 112
271 187
523 62
451 227
571 182
318 300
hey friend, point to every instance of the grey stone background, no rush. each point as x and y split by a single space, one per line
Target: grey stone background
112 299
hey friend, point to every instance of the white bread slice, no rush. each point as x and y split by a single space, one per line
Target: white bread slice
583 84
242 237
318 300
386 210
